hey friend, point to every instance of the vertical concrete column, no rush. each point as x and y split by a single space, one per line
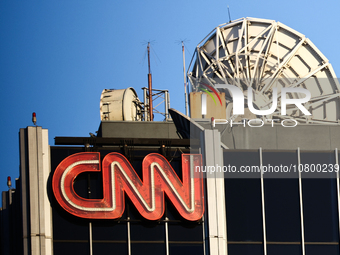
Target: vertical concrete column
216 209
34 170
6 228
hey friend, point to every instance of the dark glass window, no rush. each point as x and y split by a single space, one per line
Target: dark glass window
185 237
68 227
320 210
282 207
319 201
147 248
185 249
322 249
71 248
243 199
147 231
108 230
284 249
282 200
245 249
189 232
114 247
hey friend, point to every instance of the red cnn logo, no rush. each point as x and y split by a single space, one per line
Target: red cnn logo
119 176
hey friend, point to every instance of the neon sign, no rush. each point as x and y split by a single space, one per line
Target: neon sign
119 176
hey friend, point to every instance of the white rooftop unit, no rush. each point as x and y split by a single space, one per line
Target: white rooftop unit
120 105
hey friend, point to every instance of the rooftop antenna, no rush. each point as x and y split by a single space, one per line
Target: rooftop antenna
229 14
185 81
150 84
184 77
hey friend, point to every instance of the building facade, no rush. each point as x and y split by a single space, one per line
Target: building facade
194 186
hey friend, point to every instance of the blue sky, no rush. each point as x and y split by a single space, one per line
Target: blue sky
57 56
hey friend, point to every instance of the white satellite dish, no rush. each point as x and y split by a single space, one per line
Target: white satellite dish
262 54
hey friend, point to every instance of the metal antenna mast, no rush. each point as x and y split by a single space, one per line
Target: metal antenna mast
150 85
229 14
185 82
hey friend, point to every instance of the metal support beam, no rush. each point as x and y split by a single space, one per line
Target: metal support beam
337 187
263 207
217 222
35 170
301 207
108 141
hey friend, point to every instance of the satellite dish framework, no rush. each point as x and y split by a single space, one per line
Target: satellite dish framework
260 55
